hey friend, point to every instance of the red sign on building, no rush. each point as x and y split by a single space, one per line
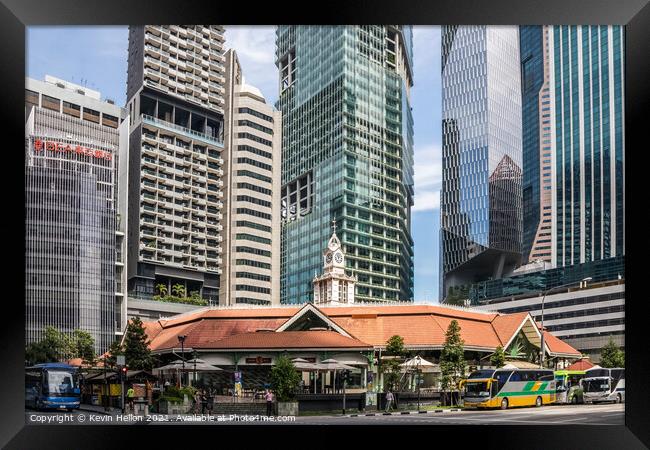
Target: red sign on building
51 146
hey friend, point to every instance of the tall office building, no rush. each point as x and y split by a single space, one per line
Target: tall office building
481 199
588 158
537 145
347 154
251 243
75 151
175 92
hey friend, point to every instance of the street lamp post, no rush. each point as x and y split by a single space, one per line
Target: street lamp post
418 371
181 339
541 349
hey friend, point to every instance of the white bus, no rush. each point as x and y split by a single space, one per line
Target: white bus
604 385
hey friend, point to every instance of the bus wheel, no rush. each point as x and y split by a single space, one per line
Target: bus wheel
574 400
618 398
504 403
538 402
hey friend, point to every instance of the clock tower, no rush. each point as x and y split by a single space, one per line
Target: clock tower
334 286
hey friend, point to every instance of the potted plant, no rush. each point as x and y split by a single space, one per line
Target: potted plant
285 380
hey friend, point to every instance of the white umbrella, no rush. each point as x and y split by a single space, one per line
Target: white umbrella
417 362
299 360
332 364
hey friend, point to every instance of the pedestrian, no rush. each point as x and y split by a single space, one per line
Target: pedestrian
389 400
210 400
204 401
130 395
268 396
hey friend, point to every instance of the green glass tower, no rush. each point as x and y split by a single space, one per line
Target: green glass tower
347 155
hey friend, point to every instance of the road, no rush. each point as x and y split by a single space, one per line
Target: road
606 414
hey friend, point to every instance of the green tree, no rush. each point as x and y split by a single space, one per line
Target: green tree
162 289
84 346
178 290
498 358
136 346
611 355
391 367
55 346
115 349
284 379
452 358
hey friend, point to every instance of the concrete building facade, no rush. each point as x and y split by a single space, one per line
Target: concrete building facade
76 148
175 92
251 232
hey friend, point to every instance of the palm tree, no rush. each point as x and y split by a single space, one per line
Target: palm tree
178 290
162 289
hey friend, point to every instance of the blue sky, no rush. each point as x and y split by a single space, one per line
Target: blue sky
97 57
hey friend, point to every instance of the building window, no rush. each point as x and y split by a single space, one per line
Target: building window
51 103
31 97
109 121
71 109
91 115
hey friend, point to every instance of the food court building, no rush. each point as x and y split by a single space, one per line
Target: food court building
248 340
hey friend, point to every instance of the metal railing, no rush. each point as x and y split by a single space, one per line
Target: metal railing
186 131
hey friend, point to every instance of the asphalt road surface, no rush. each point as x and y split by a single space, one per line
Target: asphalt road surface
604 414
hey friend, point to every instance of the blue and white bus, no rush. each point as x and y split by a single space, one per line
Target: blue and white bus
52 386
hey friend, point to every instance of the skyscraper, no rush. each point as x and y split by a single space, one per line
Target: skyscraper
175 92
536 130
587 67
76 147
251 244
347 154
481 199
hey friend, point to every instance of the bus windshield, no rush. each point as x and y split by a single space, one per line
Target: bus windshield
481 374
596 385
477 389
60 382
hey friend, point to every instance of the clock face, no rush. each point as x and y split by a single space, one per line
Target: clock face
338 257
328 258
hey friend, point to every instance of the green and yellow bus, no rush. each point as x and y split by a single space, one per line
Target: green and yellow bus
506 388
567 385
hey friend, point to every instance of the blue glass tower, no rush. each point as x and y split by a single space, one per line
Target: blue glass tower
481 196
587 70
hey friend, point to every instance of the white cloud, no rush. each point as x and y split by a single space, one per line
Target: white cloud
255 46
427 178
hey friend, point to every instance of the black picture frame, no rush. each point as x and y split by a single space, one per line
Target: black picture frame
15 15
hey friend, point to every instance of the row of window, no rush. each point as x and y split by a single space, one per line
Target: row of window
252 276
249 123
255 213
70 109
257 114
246 287
568 302
252 263
252 237
257 226
254 187
255 251
257 201
252 137
248 173
257 151
255 163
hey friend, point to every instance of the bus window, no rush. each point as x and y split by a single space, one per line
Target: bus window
516 376
481 374
502 377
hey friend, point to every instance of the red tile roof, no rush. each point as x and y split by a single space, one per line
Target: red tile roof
583 364
419 325
558 346
289 339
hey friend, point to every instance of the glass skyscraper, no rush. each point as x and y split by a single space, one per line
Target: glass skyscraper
481 197
347 154
587 69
